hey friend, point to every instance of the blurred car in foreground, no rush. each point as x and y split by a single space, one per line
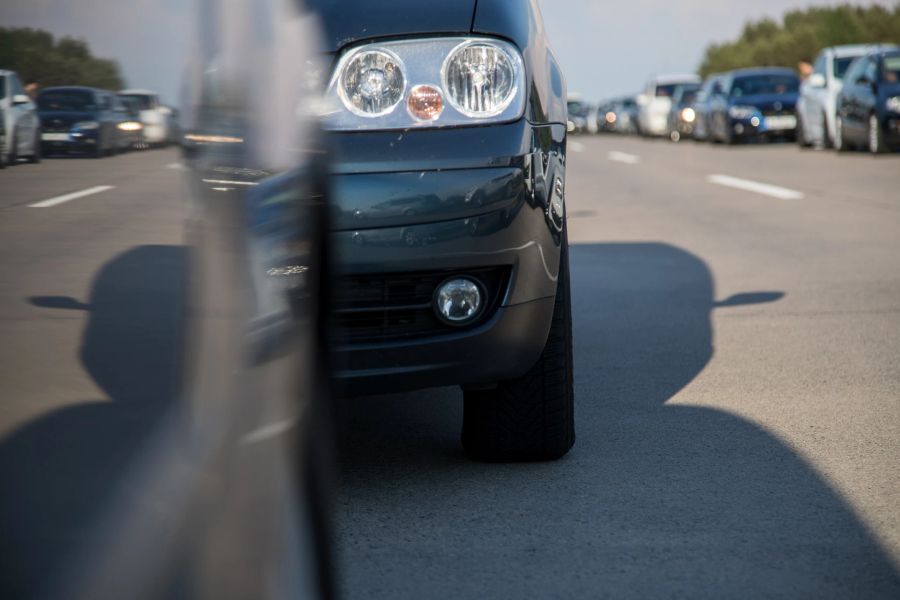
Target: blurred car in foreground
868 107
656 102
817 105
84 120
682 116
154 115
702 105
755 104
20 121
452 245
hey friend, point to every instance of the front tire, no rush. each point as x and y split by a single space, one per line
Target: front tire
530 418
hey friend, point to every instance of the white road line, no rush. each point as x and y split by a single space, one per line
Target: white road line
268 431
623 157
576 146
66 197
176 166
754 186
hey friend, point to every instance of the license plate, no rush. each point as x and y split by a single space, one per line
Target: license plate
784 122
55 137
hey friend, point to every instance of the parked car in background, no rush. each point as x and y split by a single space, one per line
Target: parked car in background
868 107
20 121
131 130
656 102
817 104
81 119
472 287
155 116
712 86
682 116
757 103
627 116
580 116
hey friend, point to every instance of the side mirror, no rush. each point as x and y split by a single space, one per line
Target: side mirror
816 80
21 99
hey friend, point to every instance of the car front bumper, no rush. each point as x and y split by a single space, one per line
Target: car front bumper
461 200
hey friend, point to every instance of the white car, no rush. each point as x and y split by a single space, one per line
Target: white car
154 115
817 103
21 124
656 102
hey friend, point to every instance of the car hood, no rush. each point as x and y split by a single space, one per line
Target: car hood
61 118
887 89
766 101
348 21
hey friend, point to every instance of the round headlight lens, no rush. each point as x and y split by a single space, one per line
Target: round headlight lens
458 301
480 79
372 83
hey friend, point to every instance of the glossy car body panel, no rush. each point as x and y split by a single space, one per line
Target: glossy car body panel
862 98
454 199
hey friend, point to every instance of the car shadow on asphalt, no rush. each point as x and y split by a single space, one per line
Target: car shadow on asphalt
60 471
655 500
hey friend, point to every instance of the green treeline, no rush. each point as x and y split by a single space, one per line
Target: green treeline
36 56
801 35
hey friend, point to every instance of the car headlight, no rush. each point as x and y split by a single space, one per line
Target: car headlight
741 112
130 126
893 104
86 125
688 115
439 82
372 83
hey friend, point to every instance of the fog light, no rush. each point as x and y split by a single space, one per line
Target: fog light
458 301
754 121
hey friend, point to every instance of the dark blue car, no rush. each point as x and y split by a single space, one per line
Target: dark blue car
84 120
757 104
868 107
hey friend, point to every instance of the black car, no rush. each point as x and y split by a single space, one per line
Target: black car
755 104
868 107
702 106
682 116
449 136
82 119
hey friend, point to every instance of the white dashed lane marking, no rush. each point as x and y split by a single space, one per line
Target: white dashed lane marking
56 200
623 157
756 187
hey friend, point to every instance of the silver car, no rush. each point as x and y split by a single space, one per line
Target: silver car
21 124
816 105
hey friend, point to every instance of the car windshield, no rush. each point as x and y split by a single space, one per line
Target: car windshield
577 109
753 85
665 91
140 101
841 65
66 100
688 97
891 72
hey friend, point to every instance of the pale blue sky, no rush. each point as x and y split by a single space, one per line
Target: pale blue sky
606 47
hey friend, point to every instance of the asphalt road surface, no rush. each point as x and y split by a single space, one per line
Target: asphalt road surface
737 345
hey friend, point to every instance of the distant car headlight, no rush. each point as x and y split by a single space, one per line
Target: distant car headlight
480 80
86 125
893 104
688 115
372 83
130 126
741 112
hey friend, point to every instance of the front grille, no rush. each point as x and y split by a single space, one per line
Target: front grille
378 308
